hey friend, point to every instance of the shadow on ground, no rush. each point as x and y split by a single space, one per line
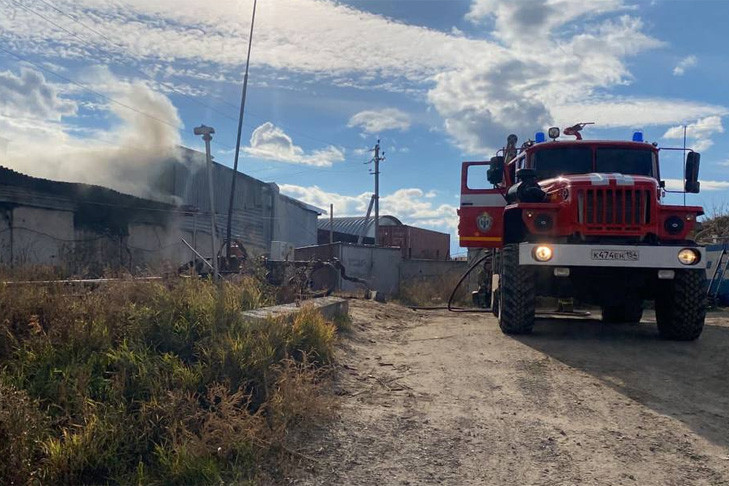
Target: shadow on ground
687 381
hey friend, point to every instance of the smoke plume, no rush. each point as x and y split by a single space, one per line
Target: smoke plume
129 156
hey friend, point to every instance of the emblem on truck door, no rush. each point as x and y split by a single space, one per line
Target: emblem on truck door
484 222
619 255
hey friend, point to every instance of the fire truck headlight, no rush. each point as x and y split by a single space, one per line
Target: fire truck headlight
689 256
542 253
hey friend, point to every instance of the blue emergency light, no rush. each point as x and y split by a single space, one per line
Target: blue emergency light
539 137
637 136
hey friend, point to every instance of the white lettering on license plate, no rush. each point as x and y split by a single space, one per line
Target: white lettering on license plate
619 255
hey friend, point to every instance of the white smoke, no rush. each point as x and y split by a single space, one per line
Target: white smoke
129 156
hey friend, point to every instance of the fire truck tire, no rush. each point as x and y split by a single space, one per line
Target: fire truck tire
517 293
681 306
628 313
495 306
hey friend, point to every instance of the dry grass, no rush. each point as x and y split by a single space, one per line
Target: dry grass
152 383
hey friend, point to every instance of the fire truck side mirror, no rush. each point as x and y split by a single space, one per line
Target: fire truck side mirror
692 184
495 174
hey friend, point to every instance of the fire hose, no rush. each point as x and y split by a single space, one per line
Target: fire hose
450 306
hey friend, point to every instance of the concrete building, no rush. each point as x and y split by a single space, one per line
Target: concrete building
384 269
84 228
414 242
261 214
348 229
417 243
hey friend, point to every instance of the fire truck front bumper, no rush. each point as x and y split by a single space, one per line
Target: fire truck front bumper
619 256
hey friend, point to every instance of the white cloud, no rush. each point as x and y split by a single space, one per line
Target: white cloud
483 102
537 17
702 128
684 64
411 205
611 112
272 143
698 133
376 121
482 89
324 38
30 95
677 185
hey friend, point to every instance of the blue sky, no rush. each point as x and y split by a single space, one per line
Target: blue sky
88 85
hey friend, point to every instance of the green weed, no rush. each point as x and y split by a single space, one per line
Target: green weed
158 382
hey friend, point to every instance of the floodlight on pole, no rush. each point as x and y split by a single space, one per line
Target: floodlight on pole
207 135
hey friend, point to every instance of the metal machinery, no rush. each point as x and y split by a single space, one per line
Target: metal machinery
585 220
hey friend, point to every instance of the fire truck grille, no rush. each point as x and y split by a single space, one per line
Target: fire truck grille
614 207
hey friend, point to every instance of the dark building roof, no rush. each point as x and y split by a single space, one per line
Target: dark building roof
92 205
76 192
353 225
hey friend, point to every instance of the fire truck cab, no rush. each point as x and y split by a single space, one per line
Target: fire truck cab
587 220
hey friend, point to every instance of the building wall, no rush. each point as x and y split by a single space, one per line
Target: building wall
378 266
35 236
260 213
293 223
41 236
431 269
416 243
5 237
323 237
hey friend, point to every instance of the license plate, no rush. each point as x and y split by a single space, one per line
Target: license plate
616 255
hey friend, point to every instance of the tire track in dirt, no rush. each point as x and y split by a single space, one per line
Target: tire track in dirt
442 398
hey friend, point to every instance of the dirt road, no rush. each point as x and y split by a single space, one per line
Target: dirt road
443 398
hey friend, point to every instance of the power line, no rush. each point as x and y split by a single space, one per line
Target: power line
86 87
151 78
93 91
168 86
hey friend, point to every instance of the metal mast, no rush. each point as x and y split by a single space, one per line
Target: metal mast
377 159
237 141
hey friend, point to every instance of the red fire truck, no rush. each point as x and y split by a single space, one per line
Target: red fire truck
585 220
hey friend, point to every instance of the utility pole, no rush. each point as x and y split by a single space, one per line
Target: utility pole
237 141
207 133
331 224
377 159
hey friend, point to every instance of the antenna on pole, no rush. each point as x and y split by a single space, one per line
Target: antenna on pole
684 161
237 141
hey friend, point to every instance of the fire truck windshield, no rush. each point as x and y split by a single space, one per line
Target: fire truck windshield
559 161
563 161
624 161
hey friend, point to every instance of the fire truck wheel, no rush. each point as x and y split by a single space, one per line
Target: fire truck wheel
495 306
517 293
628 313
681 306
